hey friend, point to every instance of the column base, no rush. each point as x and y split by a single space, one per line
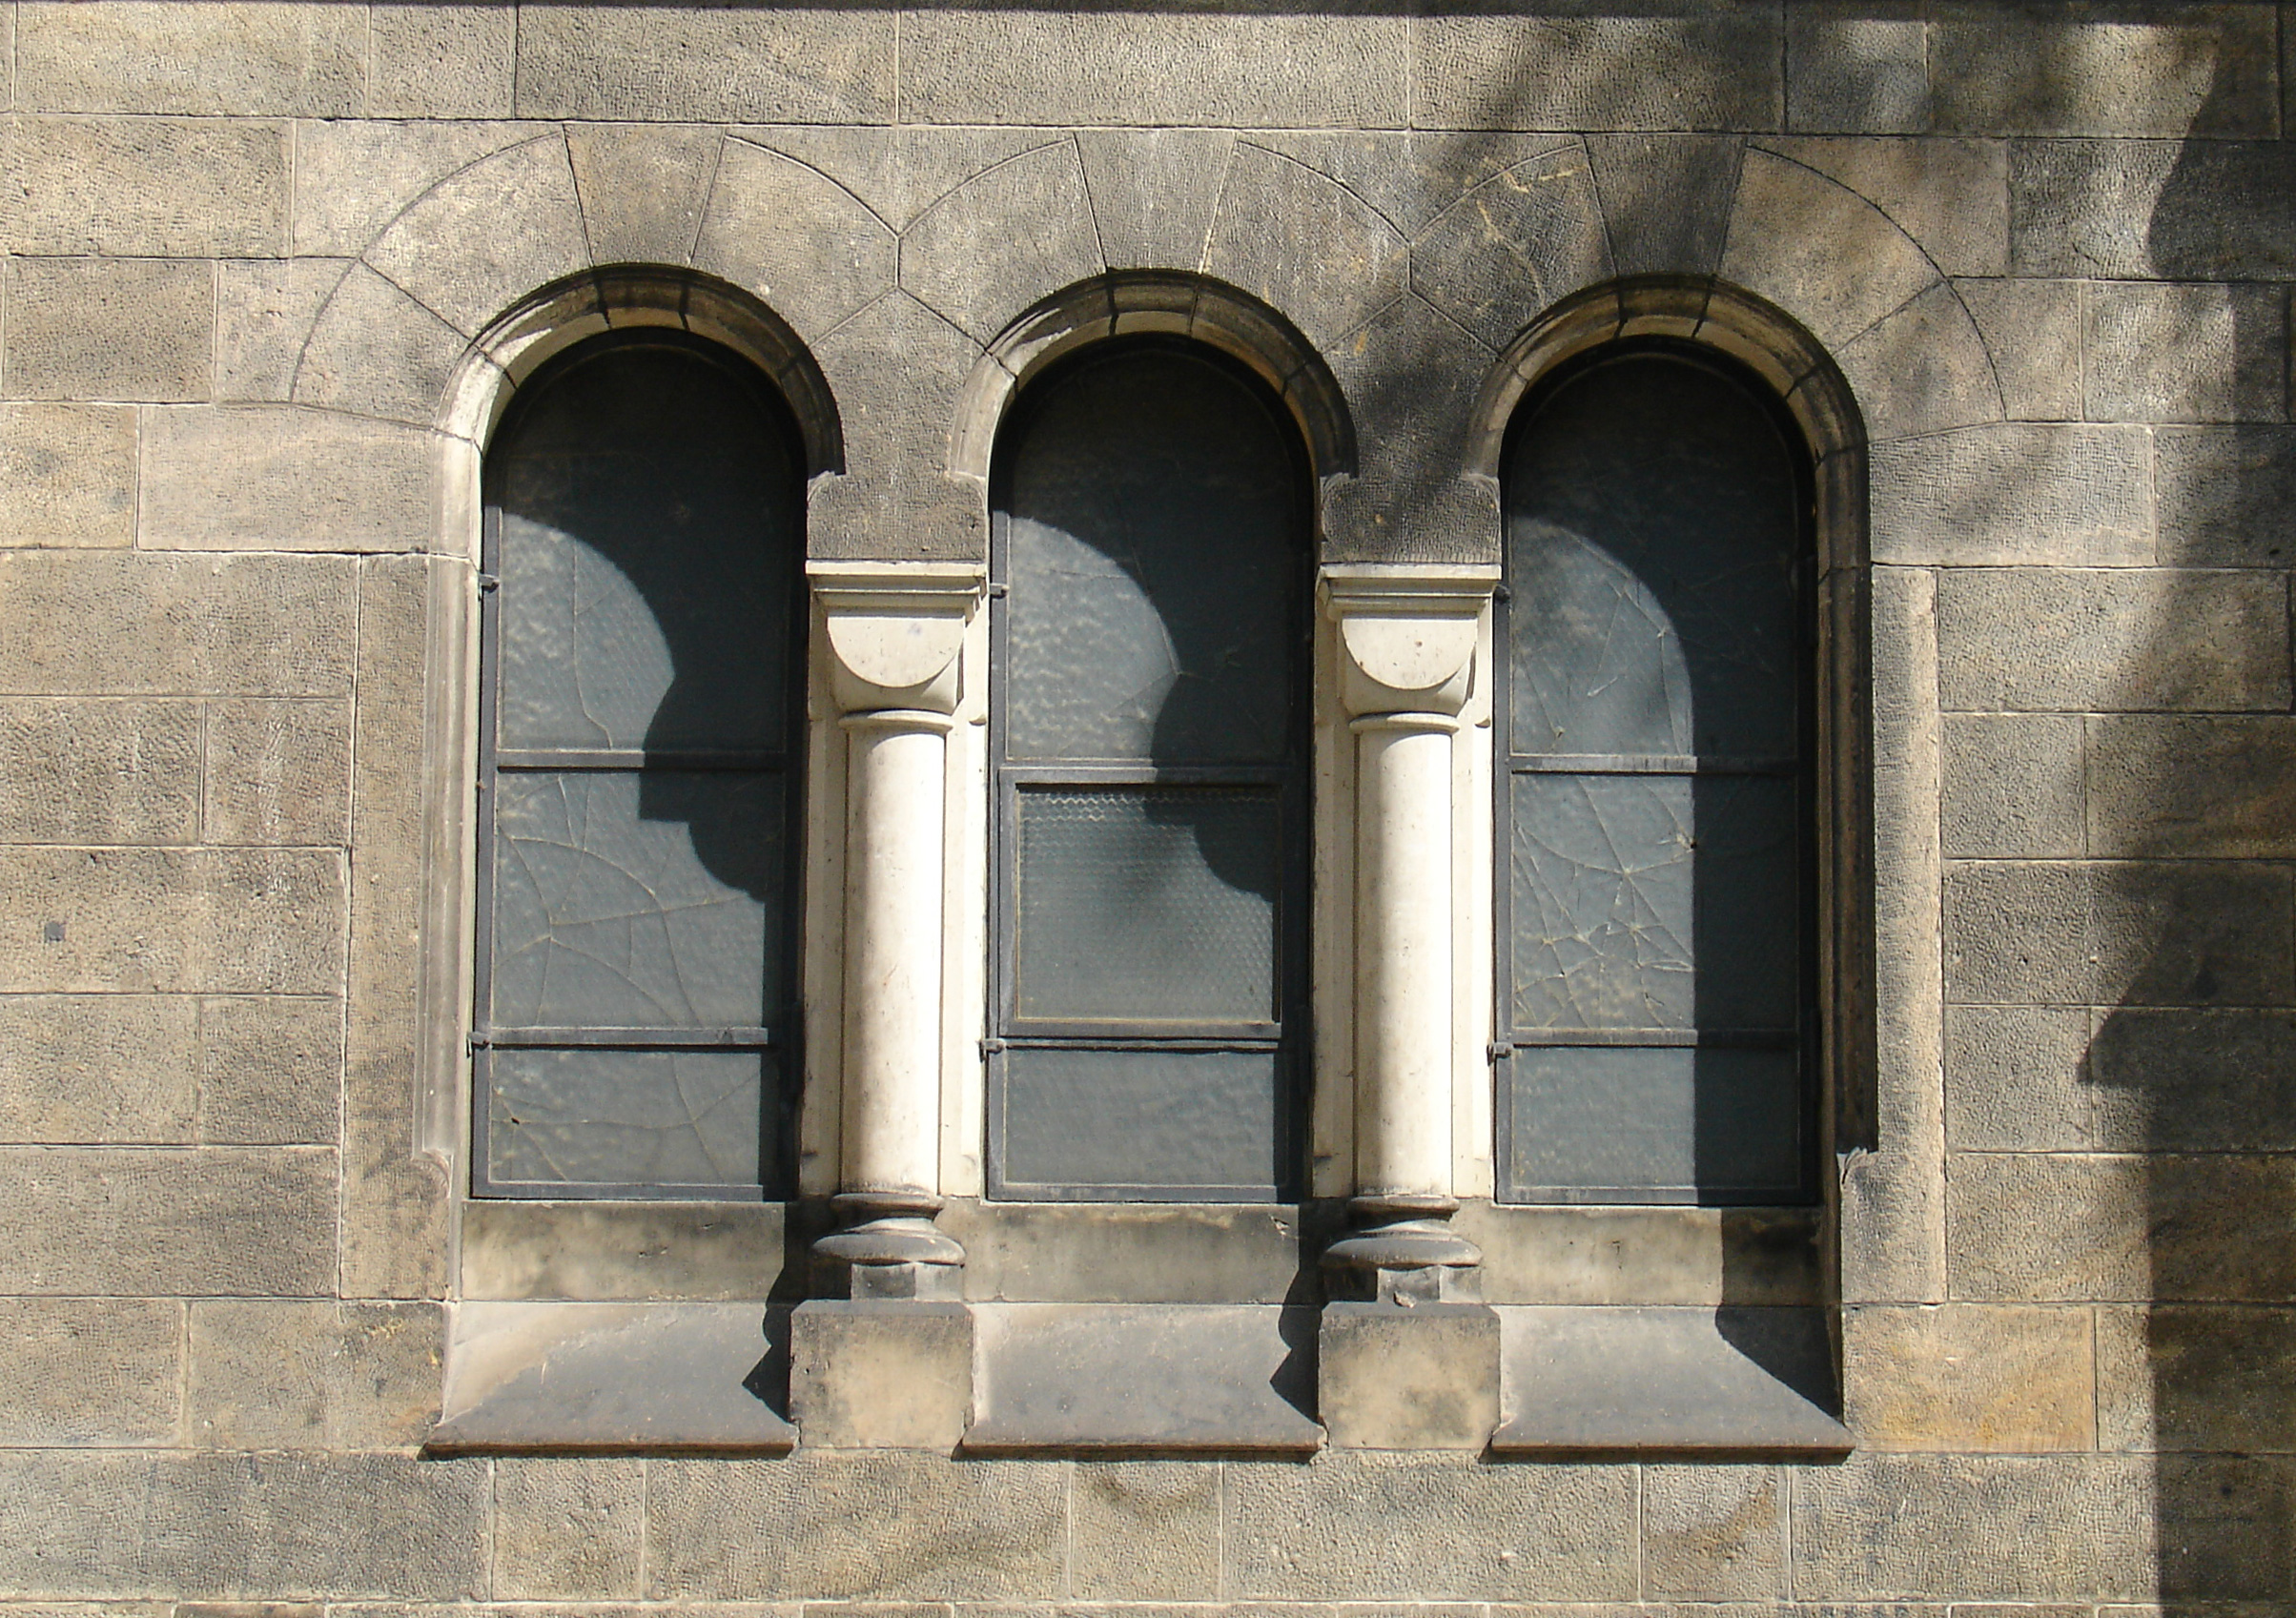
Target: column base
878 1373
1402 1376
889 1249
1403 1252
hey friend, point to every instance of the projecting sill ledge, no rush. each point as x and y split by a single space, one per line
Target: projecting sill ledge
1595 1381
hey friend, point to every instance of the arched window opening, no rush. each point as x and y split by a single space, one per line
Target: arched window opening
642 636
1657 860
1150 632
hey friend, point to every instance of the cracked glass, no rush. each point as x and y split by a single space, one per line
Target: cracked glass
654 1117
1141 1119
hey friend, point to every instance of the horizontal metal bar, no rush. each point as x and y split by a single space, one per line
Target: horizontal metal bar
1713 1038
572 759
1650 764
624 1039
1145 774
1180 1043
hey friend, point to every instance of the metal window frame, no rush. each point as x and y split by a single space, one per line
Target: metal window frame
781 1036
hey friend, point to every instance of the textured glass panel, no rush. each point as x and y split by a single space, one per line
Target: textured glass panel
627 1117
1654 901
1653 535
1140 1117
646 555
1622 1124
636 899
1153 559
1148 903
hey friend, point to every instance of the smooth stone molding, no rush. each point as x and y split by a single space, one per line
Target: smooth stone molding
1413 1377
894 630
876 1373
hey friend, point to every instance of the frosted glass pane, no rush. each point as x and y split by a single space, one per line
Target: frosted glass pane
1154 1119
1153 545
636 899
1653 537
1147 903
1673 1125
647 552
627 1118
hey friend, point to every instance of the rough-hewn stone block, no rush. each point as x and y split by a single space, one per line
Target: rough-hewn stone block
268 1375
2197 1377
137 1222
2101 642
372 350
109 328
1922 369
74 771
1144 1531
2227 496
67 475
643 187
2017 1080
1299 240
1860 66
434 61
2013 786
1790 231
257 626
2169 70
2175 786
2002 495
278 772
90 1372
1952 197
264 310
274 477
1126 67
1665 68
1384 1528
2145 932
354 177
2189 210
1713 1533
2185 354
270 1071
2194 1081
191 56
1001 241
567 1529
2033 331
702 64
97 1069
1962 1377
185 187
884 1525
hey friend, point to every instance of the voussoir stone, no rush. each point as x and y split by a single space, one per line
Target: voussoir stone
1003 240
489 235
1515 244
1824 253
1300 241
803 244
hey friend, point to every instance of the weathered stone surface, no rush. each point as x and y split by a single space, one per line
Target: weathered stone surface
2032 1528
137 1221
238 1527
642 188
1144 1531
1153 193
1923 369
1140 67
264 310
1299 240
276 477
1696 1256
899 173
2033 331
2023 637
877 1374
1665 198
1369 1527
1860 66
2227 496
1412 379
67 475
191 56
2165 933
1713 1533
896 368
1952 197
488 235
1665 68
567 1529
2043 1227
354 177
2168 70
1419 1379
690 64
891 1525
2197 1377
1792 236
268 1375
2197 210
79 771
90 1372
433 61
2017 1080
374 351
1003 240
629 1250
1998 496
2194 1081
143 186
1966 1377
97 1069
2184 354
270 1071
1515 244
256 625
2222 1530
2013 787
278 772
802 243
109 328
2168 785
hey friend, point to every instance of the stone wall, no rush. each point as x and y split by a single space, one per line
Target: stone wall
250 248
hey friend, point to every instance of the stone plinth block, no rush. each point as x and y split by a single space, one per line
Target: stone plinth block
878 1374
1420 1378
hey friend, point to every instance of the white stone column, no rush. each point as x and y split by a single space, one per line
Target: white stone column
1407 637
896 631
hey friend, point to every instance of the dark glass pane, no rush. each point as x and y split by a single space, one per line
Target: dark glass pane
1153 904
629 1117
649 531
1653 535
1677 1124
1153 548
637 899
1144 1118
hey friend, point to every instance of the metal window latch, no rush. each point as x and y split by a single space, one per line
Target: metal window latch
991 1046
489 582
998 590
1501 593
479 1040
1498 1050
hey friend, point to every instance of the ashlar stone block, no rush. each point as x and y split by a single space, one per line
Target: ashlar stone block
2175 786
77 771
1665 198
1952 197
281 477
67 475
109 328
2011 493
440 61
1963 1378
97 1069
2184 352
2033 331
1713 1533
270 1071
2227 496
191 56
1144 1530
86 1371
874 1375
2197 1377
1654 69
2013 787
2194 1081
264 310
2184 210
2017 1079
706 63
278 772
144 187
322 1375
354 176
1922 369
1857 65
2172 71
567 1529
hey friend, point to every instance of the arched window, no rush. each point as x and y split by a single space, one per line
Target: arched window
1658 859
1150 628
642 635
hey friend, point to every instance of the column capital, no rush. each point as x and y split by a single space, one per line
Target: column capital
895 630
1407 633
